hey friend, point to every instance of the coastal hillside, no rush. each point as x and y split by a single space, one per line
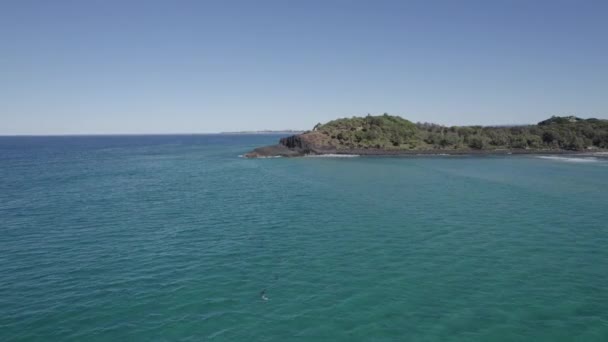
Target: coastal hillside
388 134
393 132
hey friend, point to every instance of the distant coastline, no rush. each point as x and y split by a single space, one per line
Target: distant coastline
286 131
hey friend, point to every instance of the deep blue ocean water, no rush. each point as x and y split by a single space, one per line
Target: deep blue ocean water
173 238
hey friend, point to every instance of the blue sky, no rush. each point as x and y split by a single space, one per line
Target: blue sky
125 66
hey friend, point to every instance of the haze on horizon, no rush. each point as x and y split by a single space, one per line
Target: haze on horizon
112 67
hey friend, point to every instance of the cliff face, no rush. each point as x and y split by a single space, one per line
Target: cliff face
294 142
308 141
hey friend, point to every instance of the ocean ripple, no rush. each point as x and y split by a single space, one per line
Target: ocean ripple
173 238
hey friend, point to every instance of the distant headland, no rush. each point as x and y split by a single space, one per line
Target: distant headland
285 131
394 135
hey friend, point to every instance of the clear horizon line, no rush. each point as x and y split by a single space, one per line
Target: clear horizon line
145 134
264 131
261 131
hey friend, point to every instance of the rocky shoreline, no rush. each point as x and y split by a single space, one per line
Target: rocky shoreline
280 150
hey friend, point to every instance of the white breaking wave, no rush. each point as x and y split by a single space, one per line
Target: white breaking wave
572 159
331 155
261 157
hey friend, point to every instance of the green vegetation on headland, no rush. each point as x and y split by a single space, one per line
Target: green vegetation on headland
393 132
394 135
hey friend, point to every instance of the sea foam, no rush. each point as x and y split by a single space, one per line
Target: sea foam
571 159
261 157
331 155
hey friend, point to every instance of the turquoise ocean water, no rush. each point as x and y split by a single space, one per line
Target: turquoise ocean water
173 238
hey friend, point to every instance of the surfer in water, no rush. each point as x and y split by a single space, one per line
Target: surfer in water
263 295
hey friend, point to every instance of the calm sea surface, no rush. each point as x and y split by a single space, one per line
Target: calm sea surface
173 238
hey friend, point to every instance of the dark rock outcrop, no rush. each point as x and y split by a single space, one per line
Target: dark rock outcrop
294 142
295 146
278 150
